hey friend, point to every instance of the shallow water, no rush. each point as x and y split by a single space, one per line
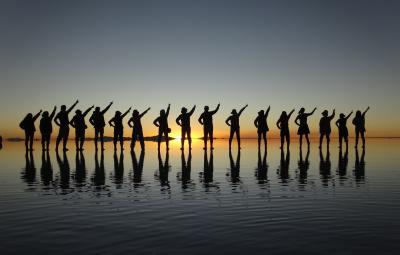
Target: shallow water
272 203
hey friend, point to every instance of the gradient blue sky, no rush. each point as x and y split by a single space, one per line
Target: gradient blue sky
287 54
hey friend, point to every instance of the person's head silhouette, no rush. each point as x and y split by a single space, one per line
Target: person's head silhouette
117 113
63 108
45 114
184 110
284 114
206 108
135 113
29 116
78 112
342 116
302 110
162 112
358 114
234 112
325 113
261 113
97 109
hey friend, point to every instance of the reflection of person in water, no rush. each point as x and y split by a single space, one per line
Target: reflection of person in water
208 167
63 164
118 168
283 125
183 120
359 166
186 169
324 167
29 174
28 125
284 166
235 167
341 123
262 127
98 122
62 120
46 127
301 121
99 172
359 123
78 122
137 132
137 166
206 119
163 169
233 122
325 127
303 165
46 171
80 172
116 123
262 167
343 162
163 129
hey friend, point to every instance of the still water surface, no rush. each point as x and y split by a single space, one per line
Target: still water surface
262 203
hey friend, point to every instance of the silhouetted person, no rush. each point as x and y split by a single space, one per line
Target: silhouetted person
46 171
62 120
343 162
206 119
98 122
162 123
303 165
46 127
359 123
186 169
262 167
359 166
183 120
163 169
208 167
235 167
137 166
118 168
78 122
283 125
29 174
324 166
116 123
284 165
341 123
28 125
99 172
262 127
325 127
233 122
301 121
137 132
63 164
80 171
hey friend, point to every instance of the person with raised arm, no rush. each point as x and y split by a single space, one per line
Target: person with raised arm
116 123
137 132
162 123
359 123
98 122
78 122
28 125
262 127
325 127
301 121
183 120
341 123
283 125
62 121
233 122
46 128
206 119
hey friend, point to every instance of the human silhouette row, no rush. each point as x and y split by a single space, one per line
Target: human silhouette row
183 120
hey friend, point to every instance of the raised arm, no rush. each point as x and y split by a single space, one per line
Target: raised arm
200 120
192 111
37 115
333 114
167 112
311 113
178 120
290 114
216 109
143 113
267 111
88 110
53 113
73 106
125 113
241 110
365 111
348 116
107 108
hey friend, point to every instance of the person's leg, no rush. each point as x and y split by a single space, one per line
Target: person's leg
265 138
59 137
308 140
340 140
101 132
96 137
121 139
321 138
134 138
288 140
282 139
43 142
48 137
31 140
141 139
65 139
363 138
301 140
166 138
258 139
346 139
357 134
238 138
77 138
205 133
159 138
189 137
183 134
212 138
231 137
83 139
115 139
328 140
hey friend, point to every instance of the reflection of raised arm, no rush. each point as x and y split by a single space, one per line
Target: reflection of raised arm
73 106
200 120
348 116
267 111
155 122
37 115
228 120
192 111
88 110
169 107
241 110
107 108
333 114
178 120
365 111
53 113
143 113
125 113
216 109
311 113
